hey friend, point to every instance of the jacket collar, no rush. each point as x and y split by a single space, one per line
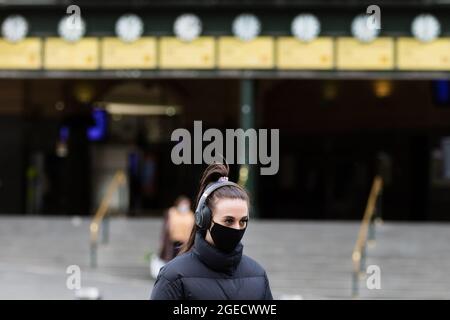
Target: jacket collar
216 259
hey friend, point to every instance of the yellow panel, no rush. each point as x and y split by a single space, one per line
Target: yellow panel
140 54
177 54
60 54
25 54
295 54
254 54
415 55
355 55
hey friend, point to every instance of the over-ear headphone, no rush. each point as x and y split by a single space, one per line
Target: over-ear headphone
203 213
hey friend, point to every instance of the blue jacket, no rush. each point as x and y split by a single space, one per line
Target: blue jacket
207 273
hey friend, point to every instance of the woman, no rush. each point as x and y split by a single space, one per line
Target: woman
179 221
177 226
211 265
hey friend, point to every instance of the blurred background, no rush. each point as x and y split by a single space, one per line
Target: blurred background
91 91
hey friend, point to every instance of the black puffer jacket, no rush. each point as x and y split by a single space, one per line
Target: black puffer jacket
206 273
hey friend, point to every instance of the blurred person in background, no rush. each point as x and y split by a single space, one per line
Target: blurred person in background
211 265
177 226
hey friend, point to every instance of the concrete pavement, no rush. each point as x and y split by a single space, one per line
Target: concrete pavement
303 259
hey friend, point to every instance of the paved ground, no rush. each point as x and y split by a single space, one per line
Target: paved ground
414 261
303 259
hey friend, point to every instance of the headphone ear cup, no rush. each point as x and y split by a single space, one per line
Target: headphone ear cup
199 218
203 217
207 214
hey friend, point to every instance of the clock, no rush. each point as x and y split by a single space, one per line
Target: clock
361 31
187 27
425 27
71 28
246 26
14 28
306 27
129 27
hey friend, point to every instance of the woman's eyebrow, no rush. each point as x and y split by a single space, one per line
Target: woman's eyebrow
232 217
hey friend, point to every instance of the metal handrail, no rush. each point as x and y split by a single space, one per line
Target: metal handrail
366 235
99 216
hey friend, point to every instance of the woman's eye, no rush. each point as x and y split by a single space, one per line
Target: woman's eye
229 221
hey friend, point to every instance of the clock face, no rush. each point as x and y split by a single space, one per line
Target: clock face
71 28
426 27
361 31
246 27
306 27
14 28
129 27
187 27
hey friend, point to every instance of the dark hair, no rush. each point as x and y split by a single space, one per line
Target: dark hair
212 174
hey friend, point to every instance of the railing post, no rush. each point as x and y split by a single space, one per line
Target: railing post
378 207
372 231
105 230
93 254
100 220
366 236
362 262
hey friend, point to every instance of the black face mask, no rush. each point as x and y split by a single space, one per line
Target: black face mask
225 238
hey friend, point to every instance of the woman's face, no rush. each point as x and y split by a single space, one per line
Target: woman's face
231 213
